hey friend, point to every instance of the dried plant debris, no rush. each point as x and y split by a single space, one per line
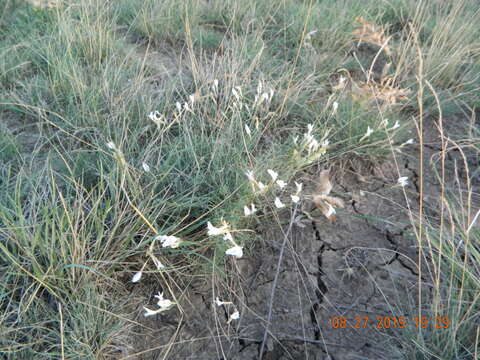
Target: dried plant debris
323 201
384 92
372 34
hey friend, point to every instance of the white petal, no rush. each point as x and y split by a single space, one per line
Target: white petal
273 174
335 106
278 203
149 312
261 186
331 211
146 167
213 231
165 303
409 142
299 187
281 184
236 251
396 126
247 130
250 175
136 278
178 106
111 145
218 302
403 181
295 198
369 131
246 211
235 315
169 240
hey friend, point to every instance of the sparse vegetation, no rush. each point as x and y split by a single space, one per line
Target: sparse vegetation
155 152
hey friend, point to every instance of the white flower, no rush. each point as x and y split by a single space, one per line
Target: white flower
325 143
299 187
213 231
273 174
278 203
156 117
396 126
409 142
169 240
111 145
136 278
369 132
187 107
250 176
235 316
163 303
249 211
281 184
218 302
191 98
215 84
295 198
146 167
248 131
235 251
178 106
403 181
261 186
295 140
335 107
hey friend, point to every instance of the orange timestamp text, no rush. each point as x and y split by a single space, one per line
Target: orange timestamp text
389 322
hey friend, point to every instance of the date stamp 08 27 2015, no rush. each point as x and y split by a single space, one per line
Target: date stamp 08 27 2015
389 322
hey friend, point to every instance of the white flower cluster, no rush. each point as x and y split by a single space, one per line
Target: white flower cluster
310 149
236 250
235 315
163 304
263 97
260 187
167 241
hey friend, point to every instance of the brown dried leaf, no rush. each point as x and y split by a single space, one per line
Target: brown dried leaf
324 185
334 201
373 34
325 208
